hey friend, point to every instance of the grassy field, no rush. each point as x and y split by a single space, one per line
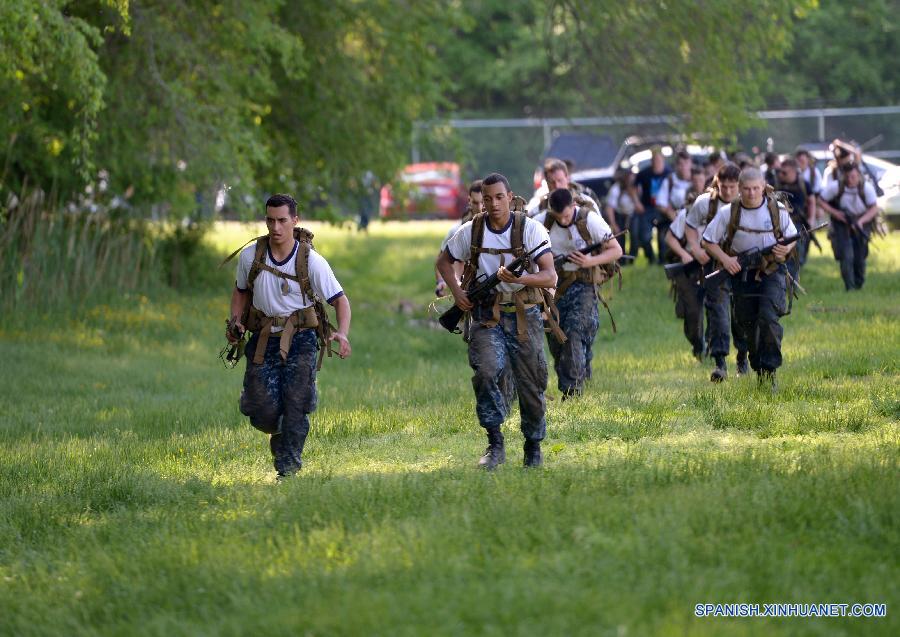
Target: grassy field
135 499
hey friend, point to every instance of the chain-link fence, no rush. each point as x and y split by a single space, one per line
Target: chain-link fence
515 147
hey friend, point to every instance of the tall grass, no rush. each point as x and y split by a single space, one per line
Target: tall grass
56 258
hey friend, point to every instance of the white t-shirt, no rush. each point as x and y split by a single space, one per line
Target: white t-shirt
620 201
452 231
696 216
675 196
267 294
677 225
756 219
461 242
567 239
850 201
813 178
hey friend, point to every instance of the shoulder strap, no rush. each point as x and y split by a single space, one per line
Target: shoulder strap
517 237
478 222
775 216
581 218
711 208
301 268
259 258
732 226
549 221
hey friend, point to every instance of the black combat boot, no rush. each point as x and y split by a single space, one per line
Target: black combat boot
743 364
720 373
495 454
533 455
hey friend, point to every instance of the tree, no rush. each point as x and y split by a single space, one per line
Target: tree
52 87
712 61
843 54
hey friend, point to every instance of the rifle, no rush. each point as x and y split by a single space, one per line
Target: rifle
559 260
231 353
480 289
753 258
674 269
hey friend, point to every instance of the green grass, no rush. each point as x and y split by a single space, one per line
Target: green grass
135 499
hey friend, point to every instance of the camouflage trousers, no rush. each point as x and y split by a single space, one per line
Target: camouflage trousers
579 320
758 305
689 307
720 327
279 396
851 249
493 353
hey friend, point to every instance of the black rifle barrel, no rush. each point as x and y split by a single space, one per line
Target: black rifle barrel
478 291
713 279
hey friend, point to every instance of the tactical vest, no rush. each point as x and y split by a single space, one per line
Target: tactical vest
860 192
596 275
312 317
526 297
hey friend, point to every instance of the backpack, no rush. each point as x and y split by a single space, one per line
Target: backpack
527 295
597 275
315 316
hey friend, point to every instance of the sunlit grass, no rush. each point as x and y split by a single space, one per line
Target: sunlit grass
134 498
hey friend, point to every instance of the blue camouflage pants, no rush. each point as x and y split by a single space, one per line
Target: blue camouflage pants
492 350
279 396
851 248
579 319
758 305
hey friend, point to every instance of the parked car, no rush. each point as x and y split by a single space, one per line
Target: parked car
430 190
596 158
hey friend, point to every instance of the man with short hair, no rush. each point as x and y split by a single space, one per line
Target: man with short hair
280 304
789 182
852 205
671 197
688 291
572 229
556 175
649 182
472 209
806 168
717 303
507 329
760 295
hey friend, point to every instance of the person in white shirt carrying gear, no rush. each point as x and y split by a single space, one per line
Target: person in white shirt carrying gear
716 301
685 276
507 325
852 205
573 229
755 220
280 284
556 174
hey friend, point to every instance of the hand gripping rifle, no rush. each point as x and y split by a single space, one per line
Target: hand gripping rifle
753 258
674 269
559 260
481 289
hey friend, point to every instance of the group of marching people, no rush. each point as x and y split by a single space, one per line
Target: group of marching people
732 234
722 219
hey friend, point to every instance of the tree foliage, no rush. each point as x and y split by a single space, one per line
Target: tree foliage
843 53
176 99
712 61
